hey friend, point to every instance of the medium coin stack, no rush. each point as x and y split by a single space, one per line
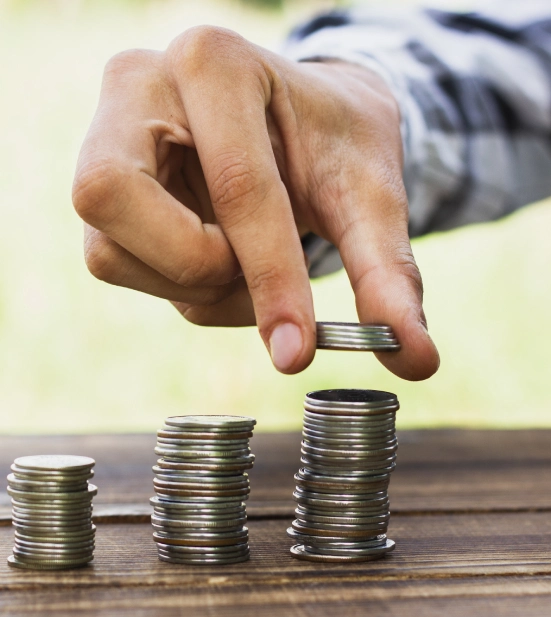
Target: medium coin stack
355 337
200 482
348 453
52 512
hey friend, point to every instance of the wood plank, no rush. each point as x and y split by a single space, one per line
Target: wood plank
438 471
427 546
486 564
508 596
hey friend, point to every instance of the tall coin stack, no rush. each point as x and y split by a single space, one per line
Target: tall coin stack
200 482
52 512
348 453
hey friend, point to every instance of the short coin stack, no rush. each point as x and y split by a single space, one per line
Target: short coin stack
355 337
52 512
199 511
348 453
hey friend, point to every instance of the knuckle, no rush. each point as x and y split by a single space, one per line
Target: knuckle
200 46
234 183
265 278
96 189
127 61
101 256
190 274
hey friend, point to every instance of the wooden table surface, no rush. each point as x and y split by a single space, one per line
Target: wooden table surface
471 517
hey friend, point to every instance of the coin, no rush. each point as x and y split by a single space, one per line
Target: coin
209 422
300 552
55 462
52 565
203 561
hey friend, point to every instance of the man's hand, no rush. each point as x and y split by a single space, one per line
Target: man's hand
205 163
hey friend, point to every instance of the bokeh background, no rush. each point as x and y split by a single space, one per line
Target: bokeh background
77 355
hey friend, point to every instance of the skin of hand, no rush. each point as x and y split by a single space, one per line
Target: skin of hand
204 165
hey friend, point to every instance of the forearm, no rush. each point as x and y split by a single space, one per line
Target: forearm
475 98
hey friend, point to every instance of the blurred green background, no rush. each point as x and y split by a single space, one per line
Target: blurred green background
77 355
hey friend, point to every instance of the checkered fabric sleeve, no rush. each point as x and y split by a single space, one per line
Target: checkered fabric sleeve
474 90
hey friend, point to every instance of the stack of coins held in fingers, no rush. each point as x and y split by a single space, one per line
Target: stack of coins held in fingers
52 512
355 337
200 482
348 453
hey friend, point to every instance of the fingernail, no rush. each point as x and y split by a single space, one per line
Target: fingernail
285 345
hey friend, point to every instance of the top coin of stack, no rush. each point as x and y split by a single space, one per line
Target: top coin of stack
52 511
355 337
201 485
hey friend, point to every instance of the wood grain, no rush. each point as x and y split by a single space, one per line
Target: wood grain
438 471
487 562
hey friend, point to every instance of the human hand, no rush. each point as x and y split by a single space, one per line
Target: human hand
205 163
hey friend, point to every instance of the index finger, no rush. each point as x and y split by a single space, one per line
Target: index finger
250 200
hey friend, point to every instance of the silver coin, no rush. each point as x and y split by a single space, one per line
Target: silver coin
205 484
53 545
348 551
64 552
306 475
349 335
350 397
212 535
183 446
200 551
195 542
327 530
50 514
45 522
48 506
52 565
180 467
233 500
338 326
81 496
361 341
210 456
230 467
335 541
55 462
207 422
183 492
332 503
53 560
342 452
346 512
167 507
201 444
231 516
204 562
200 503
183 557
27 532
341 496
300 552
174 433
199 475
202 523
334 519
340 528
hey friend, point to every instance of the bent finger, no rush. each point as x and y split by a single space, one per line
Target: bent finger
111 263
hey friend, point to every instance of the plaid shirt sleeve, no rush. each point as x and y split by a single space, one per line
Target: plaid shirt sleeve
474 90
